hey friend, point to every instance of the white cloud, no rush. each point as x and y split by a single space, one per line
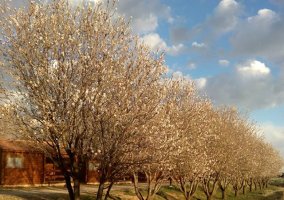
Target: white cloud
224 19
264 16
253 68
144 25
191 65
171 20
274 135
250 86
200 83
156 43
224 62
225 5
179 75
198 45
176 49
225 16
261 35
145 14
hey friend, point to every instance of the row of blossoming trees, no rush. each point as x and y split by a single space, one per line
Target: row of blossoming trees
86 88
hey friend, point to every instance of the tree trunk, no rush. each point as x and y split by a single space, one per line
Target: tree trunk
209 197
250 182
101 188
189 191
100 192
255 185
69 187
223 193
150 187
76 180
209 189
236 192
171 181
150 197
260 185
76 188
108 190
153 185
64 170
244 189
223 184
188 197
136 189
264 184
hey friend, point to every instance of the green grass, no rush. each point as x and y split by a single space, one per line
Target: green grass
277 182
271 193
172 193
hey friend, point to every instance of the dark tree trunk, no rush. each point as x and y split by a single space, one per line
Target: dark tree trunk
67 175
136 189
108 190
236 192
209 197
171 181
255 186
69 187
223 193
209 189
189 191
260 185
223 184
76 188
101 189
76 179
250 182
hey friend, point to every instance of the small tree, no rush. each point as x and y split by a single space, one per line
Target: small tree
159 141
188 161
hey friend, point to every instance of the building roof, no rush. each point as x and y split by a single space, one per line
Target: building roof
18 146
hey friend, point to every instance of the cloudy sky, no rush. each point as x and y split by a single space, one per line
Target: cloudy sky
233 49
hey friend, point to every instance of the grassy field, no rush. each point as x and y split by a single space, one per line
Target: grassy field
126 192
172 193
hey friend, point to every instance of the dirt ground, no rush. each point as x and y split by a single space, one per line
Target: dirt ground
46 193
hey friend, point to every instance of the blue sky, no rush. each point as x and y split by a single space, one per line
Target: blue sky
232 49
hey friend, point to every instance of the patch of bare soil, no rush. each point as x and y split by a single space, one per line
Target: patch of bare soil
55 193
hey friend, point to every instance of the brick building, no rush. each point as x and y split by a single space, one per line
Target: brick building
21 163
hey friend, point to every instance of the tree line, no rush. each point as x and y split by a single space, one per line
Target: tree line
82 85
